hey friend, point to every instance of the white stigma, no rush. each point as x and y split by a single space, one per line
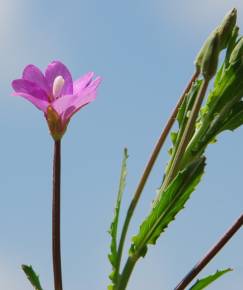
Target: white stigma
57 86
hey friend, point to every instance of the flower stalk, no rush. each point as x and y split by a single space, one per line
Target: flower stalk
56 211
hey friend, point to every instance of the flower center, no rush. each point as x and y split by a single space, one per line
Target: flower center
57 86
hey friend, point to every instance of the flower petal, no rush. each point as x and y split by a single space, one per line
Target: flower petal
40 104
83 98
82 82
88 94
62 104
70 111
95 83
30 88
55 69
34 74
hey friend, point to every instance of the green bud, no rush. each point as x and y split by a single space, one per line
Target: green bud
224 31
237 53
199 58
210 58
226 27
235 32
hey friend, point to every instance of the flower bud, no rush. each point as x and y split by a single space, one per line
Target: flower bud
226 27
237 53
210 57
198 60
224 31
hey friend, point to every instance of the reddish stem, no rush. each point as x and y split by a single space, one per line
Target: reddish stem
56 209
209 256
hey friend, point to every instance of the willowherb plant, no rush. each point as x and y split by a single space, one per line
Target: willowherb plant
58 97
198 126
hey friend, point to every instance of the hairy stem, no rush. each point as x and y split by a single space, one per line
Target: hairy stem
149 167
56 205
209 256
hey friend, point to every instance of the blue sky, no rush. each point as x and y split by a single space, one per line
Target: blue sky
144 51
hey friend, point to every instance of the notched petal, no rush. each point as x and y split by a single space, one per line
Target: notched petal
82 82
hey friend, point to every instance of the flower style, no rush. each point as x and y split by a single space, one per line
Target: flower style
55 93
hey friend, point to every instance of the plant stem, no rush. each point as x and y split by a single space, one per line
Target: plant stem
185 139
127 271
56 247
149 167
209 256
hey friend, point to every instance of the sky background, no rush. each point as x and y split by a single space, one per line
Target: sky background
144 51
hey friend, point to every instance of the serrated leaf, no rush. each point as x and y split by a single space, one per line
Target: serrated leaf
203 283
32 277
172 201
113 228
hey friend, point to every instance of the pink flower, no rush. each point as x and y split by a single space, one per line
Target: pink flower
55 93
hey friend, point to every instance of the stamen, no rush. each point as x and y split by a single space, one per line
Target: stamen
57 86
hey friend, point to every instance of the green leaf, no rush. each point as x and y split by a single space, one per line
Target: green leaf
223 93
231 45
172 200
227 91
182 118
32 276
219 74
185 109
235 118
218 113
113 228
187 104
203 283
173 137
